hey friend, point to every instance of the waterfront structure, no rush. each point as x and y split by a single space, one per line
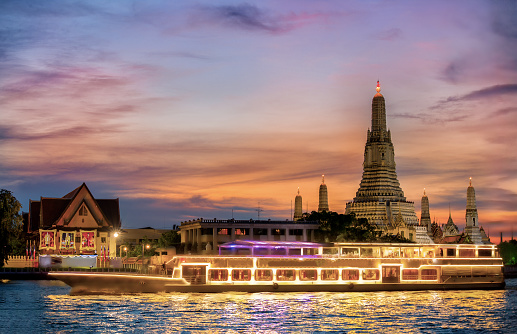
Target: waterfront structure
379 197
323 196
471 216
205 235
298 207
75 224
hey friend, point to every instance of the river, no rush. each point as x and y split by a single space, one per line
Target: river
46 307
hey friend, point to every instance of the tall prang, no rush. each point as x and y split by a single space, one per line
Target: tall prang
380 198
425 217
471 216
323 198
297 207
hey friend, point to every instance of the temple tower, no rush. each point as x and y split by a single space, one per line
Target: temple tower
324 200
471 216
297 206
379 196
425 217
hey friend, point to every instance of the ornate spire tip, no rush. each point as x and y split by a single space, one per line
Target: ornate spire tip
378 89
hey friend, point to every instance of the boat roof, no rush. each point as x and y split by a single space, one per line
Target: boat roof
271 244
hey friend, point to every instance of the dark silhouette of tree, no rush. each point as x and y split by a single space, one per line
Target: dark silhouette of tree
10 225
508 251
336 227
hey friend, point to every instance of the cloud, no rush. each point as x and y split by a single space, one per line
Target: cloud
390 34
243 16
485 93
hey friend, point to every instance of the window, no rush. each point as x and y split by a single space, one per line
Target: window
83 211
484 252
410 274
451 252
260 231
241 274
277 231
207 231
350 252
467 253
295 232
410 236
285 275
308 274
103 240
222 231
350 274
242 231
78 240
218 274
329 274
263 275
429 274
370 274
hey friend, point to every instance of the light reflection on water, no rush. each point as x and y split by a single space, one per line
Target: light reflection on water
47 307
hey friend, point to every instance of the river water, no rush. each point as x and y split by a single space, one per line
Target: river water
46 307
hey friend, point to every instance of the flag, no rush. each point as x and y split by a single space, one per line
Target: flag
27 249
108 252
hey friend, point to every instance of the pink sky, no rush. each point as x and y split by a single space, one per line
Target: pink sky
194 109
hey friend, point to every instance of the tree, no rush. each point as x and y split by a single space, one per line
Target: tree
10 225
168 239
335 227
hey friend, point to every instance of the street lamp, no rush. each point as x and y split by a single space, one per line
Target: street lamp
146 246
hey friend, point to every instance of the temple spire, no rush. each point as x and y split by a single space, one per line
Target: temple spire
323 196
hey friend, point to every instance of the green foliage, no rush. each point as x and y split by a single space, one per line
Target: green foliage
335 227
168 239
508 251
10 225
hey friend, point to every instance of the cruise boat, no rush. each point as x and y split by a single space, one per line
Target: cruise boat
260 266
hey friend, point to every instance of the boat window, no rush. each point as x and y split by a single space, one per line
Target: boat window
350 274
451 252
370 274
370 252
263 275
330 274
285 275
243 251
260 251
278 251
310 251
308 274
330 250
429 274
295 251
218 274
467 253
484 252
350 252
391 252
410 274
241 275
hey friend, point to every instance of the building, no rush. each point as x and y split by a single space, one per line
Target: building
138 237
425 217
75 224
204 235
471 217
298 207
323 204
380 198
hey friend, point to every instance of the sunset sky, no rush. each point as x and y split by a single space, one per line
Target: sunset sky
188 109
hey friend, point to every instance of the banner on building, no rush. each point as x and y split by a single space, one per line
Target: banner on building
67 240
87 240
47 239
